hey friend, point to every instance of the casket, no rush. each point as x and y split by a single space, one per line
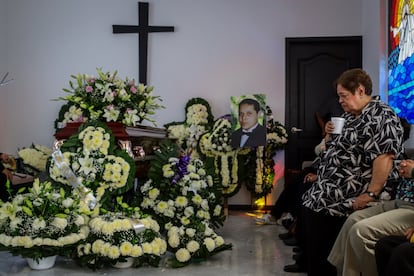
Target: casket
140 142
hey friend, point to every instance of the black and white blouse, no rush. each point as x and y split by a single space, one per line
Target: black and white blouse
346 166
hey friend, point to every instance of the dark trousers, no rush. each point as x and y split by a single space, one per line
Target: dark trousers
320 233
4 195
394 256
290 199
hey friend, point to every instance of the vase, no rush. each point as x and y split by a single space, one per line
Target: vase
42 263
128 263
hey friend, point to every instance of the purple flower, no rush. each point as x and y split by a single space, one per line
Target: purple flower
133 89
183 162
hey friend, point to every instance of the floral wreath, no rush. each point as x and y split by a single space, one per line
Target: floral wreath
198 121
96 162
216 144
107 98
182 197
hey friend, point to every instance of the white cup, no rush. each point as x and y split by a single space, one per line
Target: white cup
338 123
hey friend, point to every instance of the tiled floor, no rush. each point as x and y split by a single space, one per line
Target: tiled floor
257 250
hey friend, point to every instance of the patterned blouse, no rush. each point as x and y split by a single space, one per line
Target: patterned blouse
346 166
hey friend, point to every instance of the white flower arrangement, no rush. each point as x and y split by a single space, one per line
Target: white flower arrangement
191 243
198 121
115 237
99 166
44 222
107 98
216 144
35 157
189 201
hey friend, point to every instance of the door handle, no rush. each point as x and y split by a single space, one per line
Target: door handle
295 129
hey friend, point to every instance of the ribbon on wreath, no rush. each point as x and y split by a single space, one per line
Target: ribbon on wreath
73 180
137 225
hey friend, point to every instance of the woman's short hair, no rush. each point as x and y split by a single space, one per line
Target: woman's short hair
353 78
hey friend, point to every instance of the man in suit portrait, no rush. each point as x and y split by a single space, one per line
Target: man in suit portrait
251 133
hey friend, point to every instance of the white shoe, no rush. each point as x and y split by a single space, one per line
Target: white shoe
266 219
285 216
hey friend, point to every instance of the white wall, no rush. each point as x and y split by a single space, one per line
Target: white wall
3 69
219 48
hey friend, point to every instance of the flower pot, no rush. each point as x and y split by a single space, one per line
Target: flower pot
43 263
129 262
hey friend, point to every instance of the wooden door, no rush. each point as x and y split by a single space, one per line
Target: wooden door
312 66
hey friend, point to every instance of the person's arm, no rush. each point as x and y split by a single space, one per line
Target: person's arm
381 168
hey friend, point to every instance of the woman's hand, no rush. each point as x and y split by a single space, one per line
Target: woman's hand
310 178
329 128
361 201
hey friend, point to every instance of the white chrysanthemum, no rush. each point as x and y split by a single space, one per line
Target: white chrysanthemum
190 232
193 246
181 201
162 207
153 193
136 251
197 199
114 252
189 211
59 223
147 248
210 244
182 255
125 248
174 241
219 241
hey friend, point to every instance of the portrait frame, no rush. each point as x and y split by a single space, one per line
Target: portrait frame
234 108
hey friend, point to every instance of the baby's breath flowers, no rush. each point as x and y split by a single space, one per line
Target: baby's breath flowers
43 222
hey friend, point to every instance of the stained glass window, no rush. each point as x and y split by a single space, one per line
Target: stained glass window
401 58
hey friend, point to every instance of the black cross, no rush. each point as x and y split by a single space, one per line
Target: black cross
142 29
